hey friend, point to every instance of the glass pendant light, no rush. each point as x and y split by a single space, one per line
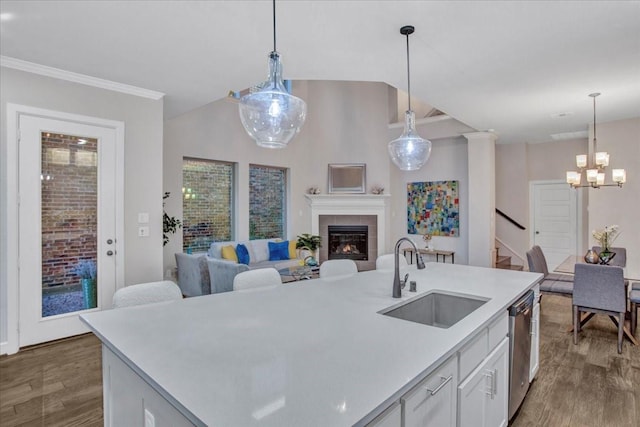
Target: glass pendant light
409 152
269 114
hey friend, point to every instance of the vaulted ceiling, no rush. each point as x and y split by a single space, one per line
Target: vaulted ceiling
521 68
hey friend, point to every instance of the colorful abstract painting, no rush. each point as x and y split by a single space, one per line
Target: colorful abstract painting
433 208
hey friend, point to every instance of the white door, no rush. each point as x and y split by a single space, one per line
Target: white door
554 221
67 221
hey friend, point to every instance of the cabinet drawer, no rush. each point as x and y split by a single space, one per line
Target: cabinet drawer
473 353
498 330
433 401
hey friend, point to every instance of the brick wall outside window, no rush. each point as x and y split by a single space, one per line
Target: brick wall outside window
207 201
267 202
69 206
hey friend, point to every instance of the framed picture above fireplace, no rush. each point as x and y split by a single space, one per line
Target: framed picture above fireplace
347 178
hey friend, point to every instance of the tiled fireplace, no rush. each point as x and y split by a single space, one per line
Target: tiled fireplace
353 215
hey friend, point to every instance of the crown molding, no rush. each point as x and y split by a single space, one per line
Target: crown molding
43 70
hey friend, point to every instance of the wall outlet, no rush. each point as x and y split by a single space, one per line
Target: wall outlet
143 231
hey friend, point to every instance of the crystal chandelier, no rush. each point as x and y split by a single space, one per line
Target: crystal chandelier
269 113
595 168
409 152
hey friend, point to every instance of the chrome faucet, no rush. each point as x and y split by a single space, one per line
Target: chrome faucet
398 284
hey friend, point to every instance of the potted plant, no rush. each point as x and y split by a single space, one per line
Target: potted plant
310 243
170 224
87 271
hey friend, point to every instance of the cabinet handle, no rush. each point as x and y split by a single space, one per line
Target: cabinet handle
494 383
489 375
443 382
533 328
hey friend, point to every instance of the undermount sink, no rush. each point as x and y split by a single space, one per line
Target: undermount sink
439 309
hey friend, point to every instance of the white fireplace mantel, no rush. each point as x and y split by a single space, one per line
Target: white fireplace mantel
350 204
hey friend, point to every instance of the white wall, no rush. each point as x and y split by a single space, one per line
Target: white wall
143 162
448 162
346 123
621 139
516 166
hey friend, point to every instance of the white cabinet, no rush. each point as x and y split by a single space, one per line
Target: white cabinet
130 401
535 342
433 401
483 396
391 417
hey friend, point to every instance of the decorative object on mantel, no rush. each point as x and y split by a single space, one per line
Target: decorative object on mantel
269 113
595 168
377 190
313 190
347 178
606 238
427 240
433 208
409 152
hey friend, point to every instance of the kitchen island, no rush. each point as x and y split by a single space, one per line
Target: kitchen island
315 352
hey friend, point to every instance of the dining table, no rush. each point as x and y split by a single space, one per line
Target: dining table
568 267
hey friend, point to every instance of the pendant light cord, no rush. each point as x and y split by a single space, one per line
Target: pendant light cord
595 140
409 74
274 25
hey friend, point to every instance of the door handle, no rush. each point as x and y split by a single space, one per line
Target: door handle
537 232
109 253
109 241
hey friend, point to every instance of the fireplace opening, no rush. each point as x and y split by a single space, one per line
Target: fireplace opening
348 242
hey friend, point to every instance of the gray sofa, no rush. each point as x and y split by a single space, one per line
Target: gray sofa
207 273
222 271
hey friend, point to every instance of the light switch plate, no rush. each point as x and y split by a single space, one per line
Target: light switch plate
143 218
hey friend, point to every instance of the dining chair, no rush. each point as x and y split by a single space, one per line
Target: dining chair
541 263
548 285
193 274
386 262
634 298
334 268
257 278
599 289
620 260
146 293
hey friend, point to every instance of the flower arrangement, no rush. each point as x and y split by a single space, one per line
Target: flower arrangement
313 190
427 240
377 190
606 236
86 269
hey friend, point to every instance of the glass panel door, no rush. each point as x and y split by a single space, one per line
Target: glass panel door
69 197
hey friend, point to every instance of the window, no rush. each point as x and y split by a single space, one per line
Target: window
207 203
267 202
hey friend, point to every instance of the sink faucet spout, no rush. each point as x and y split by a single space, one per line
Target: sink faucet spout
397 283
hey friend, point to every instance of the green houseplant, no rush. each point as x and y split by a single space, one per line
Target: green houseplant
170 224
310 243
88 272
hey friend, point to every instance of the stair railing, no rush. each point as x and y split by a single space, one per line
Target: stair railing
511 220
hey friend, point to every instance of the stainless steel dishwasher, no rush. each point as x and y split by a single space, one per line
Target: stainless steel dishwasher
519 350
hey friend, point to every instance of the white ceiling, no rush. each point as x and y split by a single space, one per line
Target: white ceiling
502 65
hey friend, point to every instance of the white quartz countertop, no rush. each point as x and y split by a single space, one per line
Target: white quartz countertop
312 353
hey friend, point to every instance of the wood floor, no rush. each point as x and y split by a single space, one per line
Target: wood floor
588 384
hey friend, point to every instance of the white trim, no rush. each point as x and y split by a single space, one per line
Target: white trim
513 251
14 111
57 73
350 204
423 121
577 200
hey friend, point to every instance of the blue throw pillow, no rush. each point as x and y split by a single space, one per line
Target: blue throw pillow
278 251
243 254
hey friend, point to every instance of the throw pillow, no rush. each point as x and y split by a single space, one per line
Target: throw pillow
229 253
278 251
293 253
243 254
